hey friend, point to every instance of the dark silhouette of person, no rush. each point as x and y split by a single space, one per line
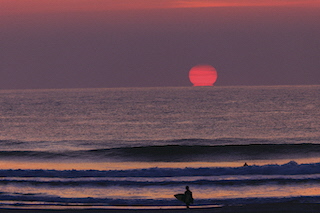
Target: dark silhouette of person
188 197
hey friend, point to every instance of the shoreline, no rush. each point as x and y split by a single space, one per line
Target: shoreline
247 208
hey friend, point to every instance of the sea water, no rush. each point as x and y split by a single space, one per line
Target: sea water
140 146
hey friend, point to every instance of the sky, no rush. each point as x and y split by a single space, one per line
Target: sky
48 44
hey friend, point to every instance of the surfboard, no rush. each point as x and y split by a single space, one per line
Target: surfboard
180 197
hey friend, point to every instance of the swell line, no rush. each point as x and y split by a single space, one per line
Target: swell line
178 153
202 182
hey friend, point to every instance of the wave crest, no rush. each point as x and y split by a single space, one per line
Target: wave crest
178 153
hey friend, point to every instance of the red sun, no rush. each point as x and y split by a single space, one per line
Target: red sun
203 75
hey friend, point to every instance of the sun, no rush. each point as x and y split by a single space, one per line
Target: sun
203 75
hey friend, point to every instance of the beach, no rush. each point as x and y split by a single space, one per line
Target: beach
249 208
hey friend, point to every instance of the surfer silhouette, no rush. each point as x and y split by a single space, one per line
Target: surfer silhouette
188 197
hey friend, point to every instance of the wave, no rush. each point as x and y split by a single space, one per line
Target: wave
124 183
177 153
215 153
291 173
291 168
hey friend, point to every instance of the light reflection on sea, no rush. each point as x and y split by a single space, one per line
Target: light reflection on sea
79 165
199 192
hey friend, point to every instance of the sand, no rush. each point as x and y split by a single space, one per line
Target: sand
261 208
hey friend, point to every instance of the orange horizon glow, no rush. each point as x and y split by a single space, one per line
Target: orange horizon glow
57 6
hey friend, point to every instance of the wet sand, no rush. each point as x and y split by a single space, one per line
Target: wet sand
251 208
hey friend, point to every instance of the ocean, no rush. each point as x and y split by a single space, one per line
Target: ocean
129 147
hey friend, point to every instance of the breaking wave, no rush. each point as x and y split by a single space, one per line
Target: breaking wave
289 173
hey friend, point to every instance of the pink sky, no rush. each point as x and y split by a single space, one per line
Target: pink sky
110 43
44 6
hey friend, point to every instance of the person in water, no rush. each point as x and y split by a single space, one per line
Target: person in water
188 197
